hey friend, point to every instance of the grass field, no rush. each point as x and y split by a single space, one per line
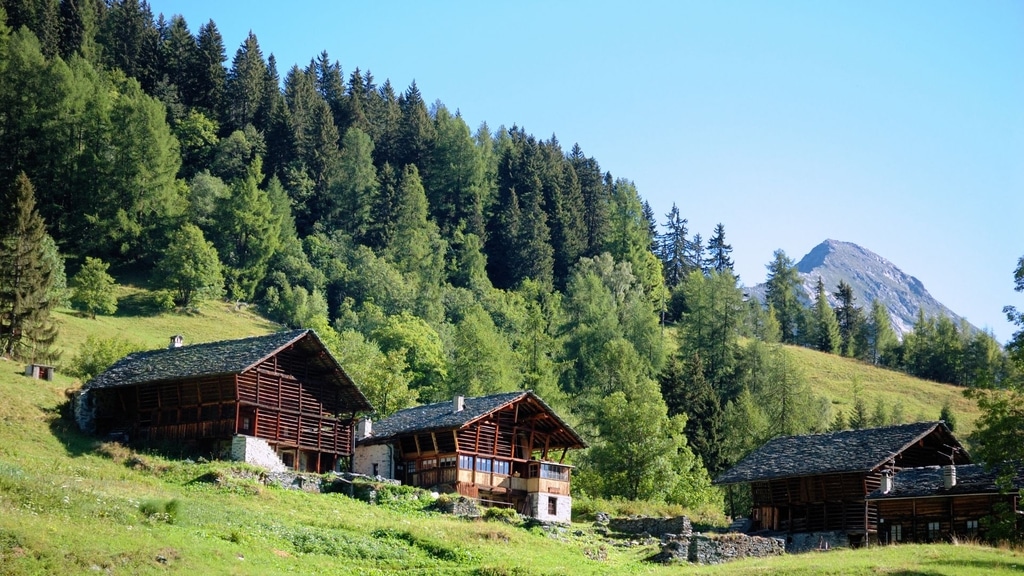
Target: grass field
70 505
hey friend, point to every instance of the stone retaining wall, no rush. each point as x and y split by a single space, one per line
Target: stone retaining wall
702 549
657 527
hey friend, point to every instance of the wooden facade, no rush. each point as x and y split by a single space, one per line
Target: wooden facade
820 482
930 504
283 388
499 449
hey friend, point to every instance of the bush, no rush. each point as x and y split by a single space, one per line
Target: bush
96 355
507 515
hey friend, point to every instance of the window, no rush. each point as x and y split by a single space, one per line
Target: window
428 464
411 468
447 462
465 462
483 464
896 533
972 527
554 472
933 530
552 506
246 423
502 467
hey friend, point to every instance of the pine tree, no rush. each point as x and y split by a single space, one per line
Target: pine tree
783 283
26 330
850 318
826 335
596 199
246 86
880 337
718 251
210 74
673 248
695 254
416 136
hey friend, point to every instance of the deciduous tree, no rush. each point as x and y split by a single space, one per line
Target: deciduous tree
93 289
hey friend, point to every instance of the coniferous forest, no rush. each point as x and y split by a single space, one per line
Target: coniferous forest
433 258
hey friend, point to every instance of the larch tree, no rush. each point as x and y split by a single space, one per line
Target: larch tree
190 268
93 289
26 330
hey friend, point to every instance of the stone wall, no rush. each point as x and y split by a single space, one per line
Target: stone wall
540 506
719 548
807 541
366 456
657 527
257 452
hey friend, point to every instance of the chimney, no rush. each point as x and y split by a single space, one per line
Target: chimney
365 428
887 481
177 341
458 404
949 476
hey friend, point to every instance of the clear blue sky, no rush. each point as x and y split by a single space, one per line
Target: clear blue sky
895 125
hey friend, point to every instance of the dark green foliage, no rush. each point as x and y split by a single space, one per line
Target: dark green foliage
718 252
246 88
131 41
825 334
26 330
673 249
687 391
851 319
947 416
783 283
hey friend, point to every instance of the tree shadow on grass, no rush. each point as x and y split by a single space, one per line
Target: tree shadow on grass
144 304
62 426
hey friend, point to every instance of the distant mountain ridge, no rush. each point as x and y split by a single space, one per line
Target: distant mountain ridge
871 277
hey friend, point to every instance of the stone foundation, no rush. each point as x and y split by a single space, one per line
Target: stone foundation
257 452
807 541
657 527
719 548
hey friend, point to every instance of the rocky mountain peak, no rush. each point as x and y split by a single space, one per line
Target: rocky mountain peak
871 277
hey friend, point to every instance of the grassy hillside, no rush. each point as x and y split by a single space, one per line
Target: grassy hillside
69 504
836 378
138 321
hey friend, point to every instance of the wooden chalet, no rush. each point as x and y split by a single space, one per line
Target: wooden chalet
284 389
504 450
933 503
819 482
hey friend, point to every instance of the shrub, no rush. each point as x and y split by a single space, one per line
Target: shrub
98 354
507 515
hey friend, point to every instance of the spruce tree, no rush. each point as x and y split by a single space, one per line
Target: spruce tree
850 318
26 330
718 251
826 335
673 248
783 283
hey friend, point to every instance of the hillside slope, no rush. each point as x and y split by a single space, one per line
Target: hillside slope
69 504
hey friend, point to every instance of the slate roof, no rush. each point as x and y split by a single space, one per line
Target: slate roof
441 416
832 453
220 358
927 482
